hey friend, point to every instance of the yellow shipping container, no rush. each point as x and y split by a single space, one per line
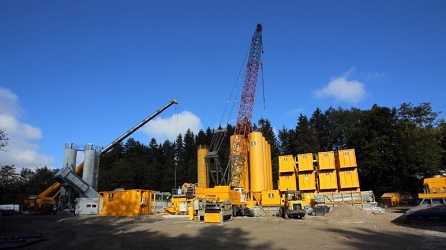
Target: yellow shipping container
348 178
346 158
328 180
287 181
307 181
286 164
305 162
126 202
326 160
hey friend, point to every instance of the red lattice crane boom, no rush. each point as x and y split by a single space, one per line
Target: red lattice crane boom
239 144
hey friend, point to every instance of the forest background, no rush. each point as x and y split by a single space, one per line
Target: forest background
395 149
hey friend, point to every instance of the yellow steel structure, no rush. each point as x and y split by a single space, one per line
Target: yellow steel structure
326 160
126 202
240 177
305 162
346 158
202 171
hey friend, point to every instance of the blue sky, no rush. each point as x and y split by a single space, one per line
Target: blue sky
86 71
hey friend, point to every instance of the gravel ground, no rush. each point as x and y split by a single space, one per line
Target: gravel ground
345 227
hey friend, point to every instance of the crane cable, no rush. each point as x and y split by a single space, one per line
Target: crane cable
232 91
263 81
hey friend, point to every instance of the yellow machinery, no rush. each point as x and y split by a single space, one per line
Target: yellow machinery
433 203
45 201
390 199
218 203
292 206
182 199
127 202
434 187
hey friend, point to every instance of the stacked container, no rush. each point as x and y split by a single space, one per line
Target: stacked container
327 176
306 176
287 173
347 170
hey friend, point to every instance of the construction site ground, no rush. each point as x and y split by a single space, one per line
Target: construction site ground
345 227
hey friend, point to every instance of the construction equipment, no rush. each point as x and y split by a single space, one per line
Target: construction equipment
45 201
292 205
231 185
239 146
433 203
390 199
181 199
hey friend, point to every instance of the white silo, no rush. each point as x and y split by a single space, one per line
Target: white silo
89 165
69 160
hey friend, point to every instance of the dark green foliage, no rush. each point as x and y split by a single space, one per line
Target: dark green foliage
395 150
305 140
14 187
3 140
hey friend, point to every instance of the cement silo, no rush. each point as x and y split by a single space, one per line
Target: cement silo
268 167
69 159
88 174
257 164
202 171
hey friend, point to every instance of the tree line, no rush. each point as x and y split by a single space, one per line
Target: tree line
395 149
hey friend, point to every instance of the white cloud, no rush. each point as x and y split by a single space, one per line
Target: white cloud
343 89
8 102
169 128
21 151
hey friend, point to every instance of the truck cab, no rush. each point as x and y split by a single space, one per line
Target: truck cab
292 205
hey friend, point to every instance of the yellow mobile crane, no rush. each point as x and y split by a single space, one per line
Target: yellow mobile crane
44 202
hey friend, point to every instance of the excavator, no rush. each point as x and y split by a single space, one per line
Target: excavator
47 201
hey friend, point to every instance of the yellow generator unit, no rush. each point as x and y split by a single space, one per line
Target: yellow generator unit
126 202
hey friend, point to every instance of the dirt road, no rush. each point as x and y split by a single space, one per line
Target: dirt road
345 228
